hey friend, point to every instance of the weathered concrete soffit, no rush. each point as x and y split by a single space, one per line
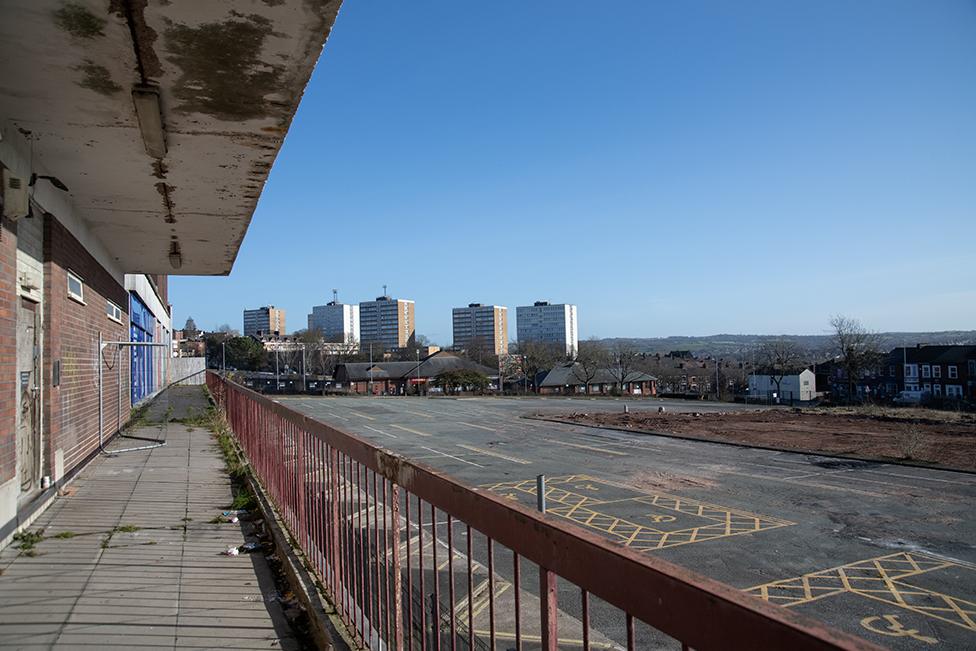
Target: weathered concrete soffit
161 117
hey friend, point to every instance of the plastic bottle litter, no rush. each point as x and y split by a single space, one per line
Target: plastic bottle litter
231 551
228 514
249 547
234 520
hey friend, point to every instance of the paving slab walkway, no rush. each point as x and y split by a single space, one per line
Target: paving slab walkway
144 567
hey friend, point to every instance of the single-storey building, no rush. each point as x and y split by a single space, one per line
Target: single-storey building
795 386
569 379
402 378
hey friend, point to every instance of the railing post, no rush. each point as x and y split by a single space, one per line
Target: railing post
548 609
397 579
435 625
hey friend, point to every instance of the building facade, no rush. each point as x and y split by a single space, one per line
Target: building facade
387 322
338 322
793 387
264 321
944 371
486 325
548 323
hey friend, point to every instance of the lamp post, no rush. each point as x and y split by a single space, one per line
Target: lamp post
370 385
223 363
418 372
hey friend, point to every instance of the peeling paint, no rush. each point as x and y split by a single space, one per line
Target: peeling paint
97 78
144 37
222 72
78 21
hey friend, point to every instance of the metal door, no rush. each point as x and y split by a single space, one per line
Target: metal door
28 395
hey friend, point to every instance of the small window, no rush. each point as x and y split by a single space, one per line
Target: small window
926 370
113 311
76 287
953 371
936 371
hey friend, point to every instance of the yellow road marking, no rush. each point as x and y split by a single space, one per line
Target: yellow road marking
361 415
588 447
504 635
494 454
461 422
412 431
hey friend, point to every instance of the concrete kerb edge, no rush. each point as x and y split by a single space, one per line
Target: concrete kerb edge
829 455
326 627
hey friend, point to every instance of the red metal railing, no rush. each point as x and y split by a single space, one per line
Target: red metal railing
413 559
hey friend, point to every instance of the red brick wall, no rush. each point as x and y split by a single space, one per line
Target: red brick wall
71 336
8 349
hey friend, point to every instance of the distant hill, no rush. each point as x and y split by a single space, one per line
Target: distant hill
744 345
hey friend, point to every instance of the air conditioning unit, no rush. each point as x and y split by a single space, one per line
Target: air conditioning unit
16 202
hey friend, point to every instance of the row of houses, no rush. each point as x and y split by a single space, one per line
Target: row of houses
943 371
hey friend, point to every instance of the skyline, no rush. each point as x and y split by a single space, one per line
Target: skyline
681 170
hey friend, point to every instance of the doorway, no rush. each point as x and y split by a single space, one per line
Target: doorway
28 396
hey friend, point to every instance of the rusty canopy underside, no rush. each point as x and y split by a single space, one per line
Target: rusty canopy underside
87 81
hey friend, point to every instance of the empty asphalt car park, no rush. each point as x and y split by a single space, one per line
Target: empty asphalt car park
884 551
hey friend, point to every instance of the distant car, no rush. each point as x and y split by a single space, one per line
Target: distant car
912 397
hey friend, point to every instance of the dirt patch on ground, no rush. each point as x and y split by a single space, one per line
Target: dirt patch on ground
921 436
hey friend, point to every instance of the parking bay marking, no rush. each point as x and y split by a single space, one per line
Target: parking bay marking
588 447
491 453
490 429
883 579
379 431
412 431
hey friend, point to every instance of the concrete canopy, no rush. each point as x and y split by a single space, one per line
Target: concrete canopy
87 81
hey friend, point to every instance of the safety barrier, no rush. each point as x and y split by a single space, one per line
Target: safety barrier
413 559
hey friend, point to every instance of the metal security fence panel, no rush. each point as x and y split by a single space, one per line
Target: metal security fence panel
414 559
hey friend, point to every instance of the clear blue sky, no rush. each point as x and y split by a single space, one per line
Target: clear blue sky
670 167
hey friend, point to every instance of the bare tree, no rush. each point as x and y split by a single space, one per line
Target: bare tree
779 358
538 356
858 349
590 359
622 359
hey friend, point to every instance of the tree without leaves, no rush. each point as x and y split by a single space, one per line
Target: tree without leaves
590 358
779 358
622 362
857 348
538 356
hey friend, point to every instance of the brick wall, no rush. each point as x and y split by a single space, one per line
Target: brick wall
8 349
72 328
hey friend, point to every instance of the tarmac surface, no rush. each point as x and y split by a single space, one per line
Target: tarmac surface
882 551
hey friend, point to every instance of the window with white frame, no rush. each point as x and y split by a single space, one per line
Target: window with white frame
953 371
76 287
926 370
911 370
954 390
936 370
113 311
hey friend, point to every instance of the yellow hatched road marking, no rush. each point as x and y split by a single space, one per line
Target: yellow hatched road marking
879 579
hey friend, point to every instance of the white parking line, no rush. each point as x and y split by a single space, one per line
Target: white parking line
451 456
490 429
361 415
491 453
379 431
412 431
588 447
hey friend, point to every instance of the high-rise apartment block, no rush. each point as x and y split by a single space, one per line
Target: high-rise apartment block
266 320
336 321
547 323
484 325
387 321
